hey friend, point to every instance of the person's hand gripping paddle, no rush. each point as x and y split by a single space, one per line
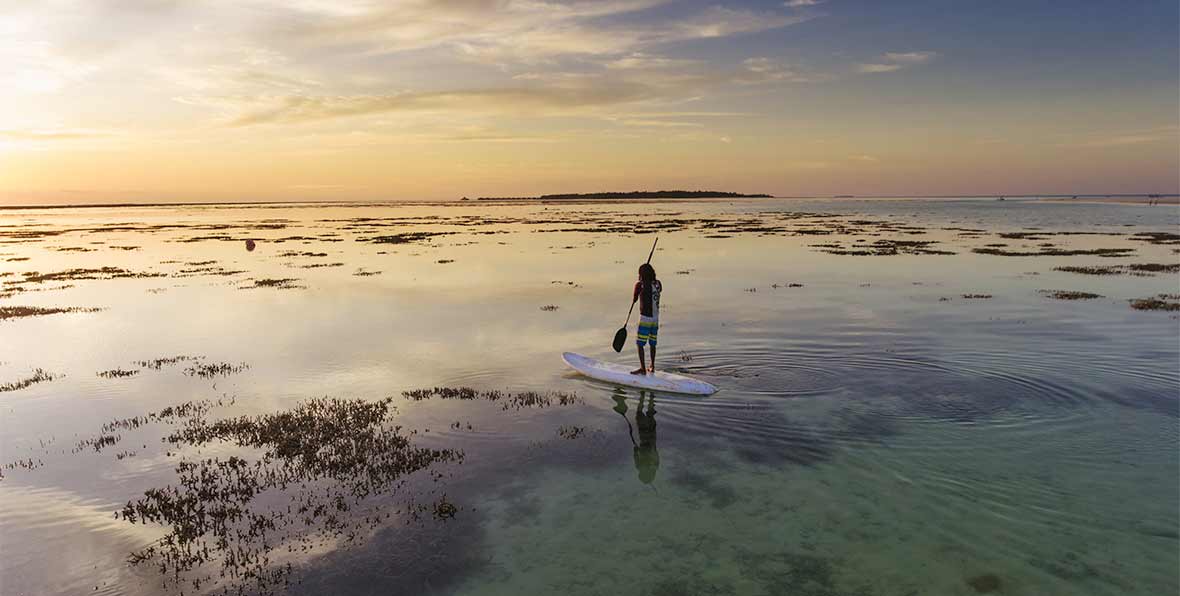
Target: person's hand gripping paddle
621 334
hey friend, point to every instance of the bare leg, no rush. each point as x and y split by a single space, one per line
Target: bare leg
653 358
642 370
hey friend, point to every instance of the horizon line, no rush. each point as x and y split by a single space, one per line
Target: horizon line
541 199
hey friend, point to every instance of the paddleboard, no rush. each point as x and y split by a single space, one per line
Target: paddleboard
621 375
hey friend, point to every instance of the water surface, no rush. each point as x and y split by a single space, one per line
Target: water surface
877 432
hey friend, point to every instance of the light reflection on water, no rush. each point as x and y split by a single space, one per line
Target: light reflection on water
870 437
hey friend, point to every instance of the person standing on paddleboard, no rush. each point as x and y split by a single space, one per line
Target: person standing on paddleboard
647 292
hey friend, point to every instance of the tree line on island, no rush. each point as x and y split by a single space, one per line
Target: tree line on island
636 194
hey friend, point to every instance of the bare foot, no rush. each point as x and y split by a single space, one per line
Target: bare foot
639 371
652 369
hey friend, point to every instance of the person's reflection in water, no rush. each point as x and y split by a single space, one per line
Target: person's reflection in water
647 456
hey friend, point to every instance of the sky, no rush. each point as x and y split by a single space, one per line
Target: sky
266 100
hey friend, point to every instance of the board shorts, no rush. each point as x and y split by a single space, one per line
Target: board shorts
649 327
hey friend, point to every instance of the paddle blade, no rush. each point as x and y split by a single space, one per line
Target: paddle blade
620 338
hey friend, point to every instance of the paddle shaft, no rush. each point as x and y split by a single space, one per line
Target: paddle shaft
628 321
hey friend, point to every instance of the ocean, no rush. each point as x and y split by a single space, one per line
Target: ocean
916 397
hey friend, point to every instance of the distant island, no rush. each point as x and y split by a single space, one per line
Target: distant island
637 194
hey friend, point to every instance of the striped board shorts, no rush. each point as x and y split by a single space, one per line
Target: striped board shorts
649 327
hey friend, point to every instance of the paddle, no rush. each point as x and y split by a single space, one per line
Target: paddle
621 334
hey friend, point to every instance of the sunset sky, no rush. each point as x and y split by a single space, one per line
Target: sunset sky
204 100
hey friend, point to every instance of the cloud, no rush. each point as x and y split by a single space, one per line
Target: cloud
643 92
534 95
1121 141
661 123
910 57
520 31
766 70
318 186
410 69
670 120
489 138
50 135
801 3
866 158
642 61
895 61
808 164
525 100
48 46
870 68
1125 139
685 114
723 22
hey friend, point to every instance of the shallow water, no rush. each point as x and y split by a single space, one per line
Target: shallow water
876 432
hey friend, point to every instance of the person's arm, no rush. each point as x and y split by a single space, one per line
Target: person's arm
638 288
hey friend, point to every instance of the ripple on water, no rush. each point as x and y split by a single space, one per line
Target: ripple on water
764 370
810 404
44 522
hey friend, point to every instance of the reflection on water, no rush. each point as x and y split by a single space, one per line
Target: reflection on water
647 455
904 408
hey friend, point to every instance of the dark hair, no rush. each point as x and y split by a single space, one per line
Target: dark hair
647 274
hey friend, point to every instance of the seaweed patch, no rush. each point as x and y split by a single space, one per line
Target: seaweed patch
1164 238
158 363
570 432
207 370
405 238
285 283
17 312
317 265
1166 302
985 584
885 247
1069 294
507 400
719 494
296 253
39 376
326 458
1141 269
85 274
1056 252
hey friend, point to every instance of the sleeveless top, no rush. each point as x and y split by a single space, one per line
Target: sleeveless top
649 302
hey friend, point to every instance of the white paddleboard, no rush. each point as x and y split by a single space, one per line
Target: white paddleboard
621 375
